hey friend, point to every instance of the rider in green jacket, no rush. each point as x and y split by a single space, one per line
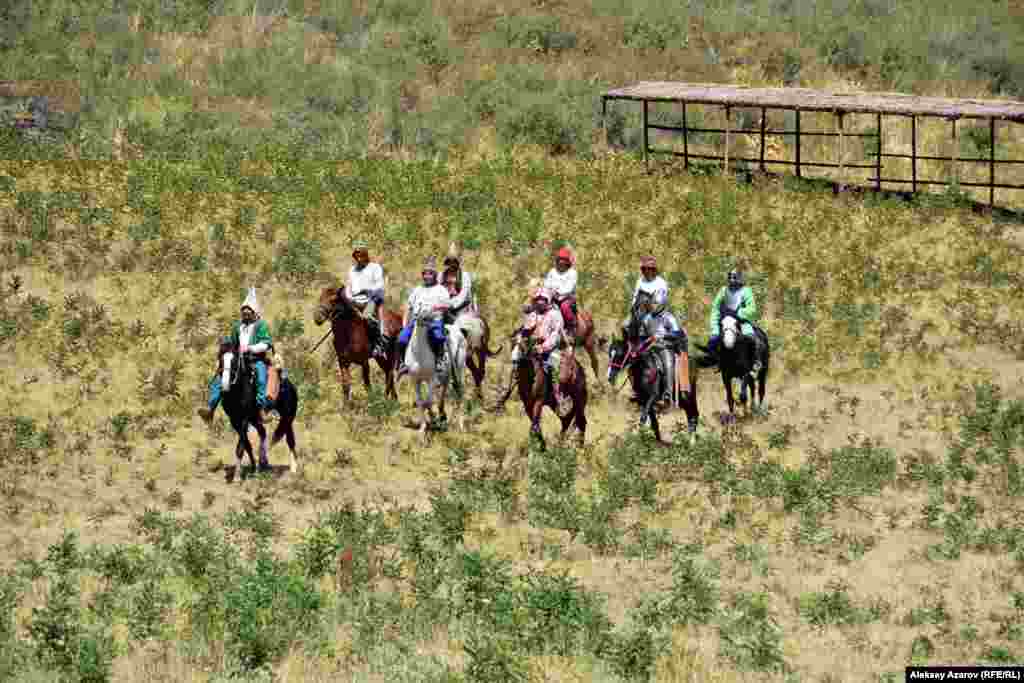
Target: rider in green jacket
737 297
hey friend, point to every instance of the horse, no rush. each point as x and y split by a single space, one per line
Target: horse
584 336
735 359
351 339
535 392
238 380
478 339
421 363
640 359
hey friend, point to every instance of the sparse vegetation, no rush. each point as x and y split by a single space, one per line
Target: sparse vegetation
894 431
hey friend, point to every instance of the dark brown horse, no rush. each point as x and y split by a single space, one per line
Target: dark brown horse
351 338
535 393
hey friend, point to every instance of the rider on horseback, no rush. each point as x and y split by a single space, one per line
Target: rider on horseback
251 335
433 295
459 284
561 280
654 318
736 298
365 289
650 286
545 326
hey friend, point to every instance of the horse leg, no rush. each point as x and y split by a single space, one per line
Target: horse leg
475 360
762 380
579 404
442 396
731 417
264 448
588 345
689 404
345 373
240 448
285 429
656 426
649 413
365 366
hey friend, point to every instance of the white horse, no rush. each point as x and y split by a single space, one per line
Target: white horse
420 360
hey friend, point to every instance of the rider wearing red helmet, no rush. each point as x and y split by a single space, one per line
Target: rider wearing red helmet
561 280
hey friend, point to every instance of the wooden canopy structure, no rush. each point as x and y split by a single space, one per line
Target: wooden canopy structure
838 104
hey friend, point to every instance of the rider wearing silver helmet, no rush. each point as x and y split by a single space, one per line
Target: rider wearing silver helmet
651 291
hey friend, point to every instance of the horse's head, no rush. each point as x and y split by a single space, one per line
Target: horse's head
730 331
325 306
618 353
333 303
232 364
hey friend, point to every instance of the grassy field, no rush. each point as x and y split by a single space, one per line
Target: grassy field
868 520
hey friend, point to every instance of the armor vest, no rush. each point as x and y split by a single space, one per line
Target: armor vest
733 299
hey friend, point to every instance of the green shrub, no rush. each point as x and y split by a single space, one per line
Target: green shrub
267 611
750 636
693 598
538 33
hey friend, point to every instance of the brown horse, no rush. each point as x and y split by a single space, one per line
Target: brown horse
351 338
585 337
535 393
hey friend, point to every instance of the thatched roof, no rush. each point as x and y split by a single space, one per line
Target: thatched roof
819 100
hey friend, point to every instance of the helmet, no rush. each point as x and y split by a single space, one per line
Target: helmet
649 262
360 246
430 265
542 293
735 278
565 253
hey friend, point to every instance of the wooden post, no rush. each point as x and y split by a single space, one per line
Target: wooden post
798 143
604 114
878 157
727 112
764 116
686 146
956 158
991 163
842 168
645 135
913 153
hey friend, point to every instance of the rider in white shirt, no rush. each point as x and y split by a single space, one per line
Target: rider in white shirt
365 289
561 281
433 297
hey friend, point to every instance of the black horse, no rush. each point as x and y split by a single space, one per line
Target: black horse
239 401
734 357
639 355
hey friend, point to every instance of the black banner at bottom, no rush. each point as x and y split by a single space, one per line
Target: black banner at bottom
919 674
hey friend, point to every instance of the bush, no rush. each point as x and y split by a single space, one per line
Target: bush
750 636
267 610
693 598
845 49
545 122
661 27
538 33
